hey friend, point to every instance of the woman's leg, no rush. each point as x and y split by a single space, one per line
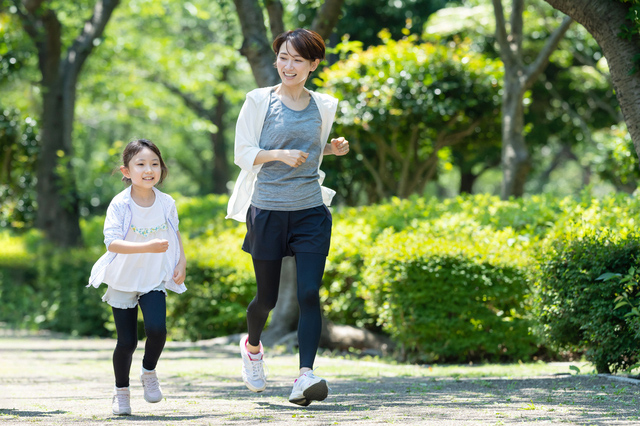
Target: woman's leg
154 312
268 284
126 321
310 268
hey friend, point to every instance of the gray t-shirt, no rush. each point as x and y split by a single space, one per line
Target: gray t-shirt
278 185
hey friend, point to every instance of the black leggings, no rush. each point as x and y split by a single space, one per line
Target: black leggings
309 267
154 313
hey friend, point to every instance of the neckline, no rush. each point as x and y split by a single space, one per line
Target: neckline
273 94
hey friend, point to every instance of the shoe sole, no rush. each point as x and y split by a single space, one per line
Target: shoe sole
315 392
254 389
121 414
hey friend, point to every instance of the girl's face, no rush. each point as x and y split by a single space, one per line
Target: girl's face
144 169
293 68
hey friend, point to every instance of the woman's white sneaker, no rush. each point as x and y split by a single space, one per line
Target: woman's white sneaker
308 388
121 402
151 386
253 374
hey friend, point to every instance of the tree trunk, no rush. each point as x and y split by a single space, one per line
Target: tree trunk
57 196
603 19
221 169
518 78
515 155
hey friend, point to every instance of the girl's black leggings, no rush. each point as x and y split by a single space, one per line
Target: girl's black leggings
310 268
154 313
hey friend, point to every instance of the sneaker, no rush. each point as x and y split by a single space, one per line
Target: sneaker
308 388
253 373
151 385
121 402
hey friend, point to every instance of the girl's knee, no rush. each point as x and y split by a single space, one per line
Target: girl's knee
156 332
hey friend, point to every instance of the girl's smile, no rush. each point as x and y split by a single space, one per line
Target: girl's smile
144 169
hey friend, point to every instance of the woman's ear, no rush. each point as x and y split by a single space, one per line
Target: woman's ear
314 64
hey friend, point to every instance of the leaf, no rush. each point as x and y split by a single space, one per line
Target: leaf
574 368
607 276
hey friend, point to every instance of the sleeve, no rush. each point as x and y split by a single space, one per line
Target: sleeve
246 142
113 224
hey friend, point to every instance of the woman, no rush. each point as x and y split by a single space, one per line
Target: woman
281 138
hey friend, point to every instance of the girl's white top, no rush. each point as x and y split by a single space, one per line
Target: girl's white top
143 272
248 130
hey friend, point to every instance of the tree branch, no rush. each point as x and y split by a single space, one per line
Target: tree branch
275 12
327 17
542 60
508 57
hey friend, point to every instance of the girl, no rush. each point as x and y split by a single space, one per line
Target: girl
280 141
144 258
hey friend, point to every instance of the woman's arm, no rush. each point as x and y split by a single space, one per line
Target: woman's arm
292 157
338 146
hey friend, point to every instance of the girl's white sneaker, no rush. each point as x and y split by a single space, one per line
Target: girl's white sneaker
151 386
121 402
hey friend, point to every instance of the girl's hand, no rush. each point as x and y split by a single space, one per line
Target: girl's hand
293 157
158 246
180 273
339 146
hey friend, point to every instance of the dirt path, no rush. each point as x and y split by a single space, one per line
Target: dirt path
47 380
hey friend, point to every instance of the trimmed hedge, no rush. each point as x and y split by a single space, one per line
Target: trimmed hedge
449 301
578 310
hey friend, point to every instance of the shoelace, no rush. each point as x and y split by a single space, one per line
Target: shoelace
151 383
122 399
257 369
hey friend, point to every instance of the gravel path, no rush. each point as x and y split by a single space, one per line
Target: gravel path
52 380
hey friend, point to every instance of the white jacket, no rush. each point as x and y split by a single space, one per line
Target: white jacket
116 225
248 130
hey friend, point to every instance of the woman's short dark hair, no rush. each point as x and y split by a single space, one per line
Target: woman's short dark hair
134 147
309 44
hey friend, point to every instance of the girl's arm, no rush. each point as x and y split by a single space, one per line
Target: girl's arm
180 273
127 247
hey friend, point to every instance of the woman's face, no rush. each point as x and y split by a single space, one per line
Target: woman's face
293 68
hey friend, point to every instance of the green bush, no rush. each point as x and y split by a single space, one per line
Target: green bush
220 284
449 300
578 310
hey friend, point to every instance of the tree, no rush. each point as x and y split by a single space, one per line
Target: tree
518 78
58 212
403 104
606 20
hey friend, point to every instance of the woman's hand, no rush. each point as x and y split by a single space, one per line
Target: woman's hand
339 146
293 157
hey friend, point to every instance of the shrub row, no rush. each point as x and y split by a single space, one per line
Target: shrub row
454 280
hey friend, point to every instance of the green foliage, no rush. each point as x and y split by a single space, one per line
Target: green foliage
578 309
220 284
442 302
403 103
18 153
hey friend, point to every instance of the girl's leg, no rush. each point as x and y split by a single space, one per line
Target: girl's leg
127 329
268 284
310 268
154 312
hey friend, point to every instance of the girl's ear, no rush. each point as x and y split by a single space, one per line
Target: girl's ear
125 172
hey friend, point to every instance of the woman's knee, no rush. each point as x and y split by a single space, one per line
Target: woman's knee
308 297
